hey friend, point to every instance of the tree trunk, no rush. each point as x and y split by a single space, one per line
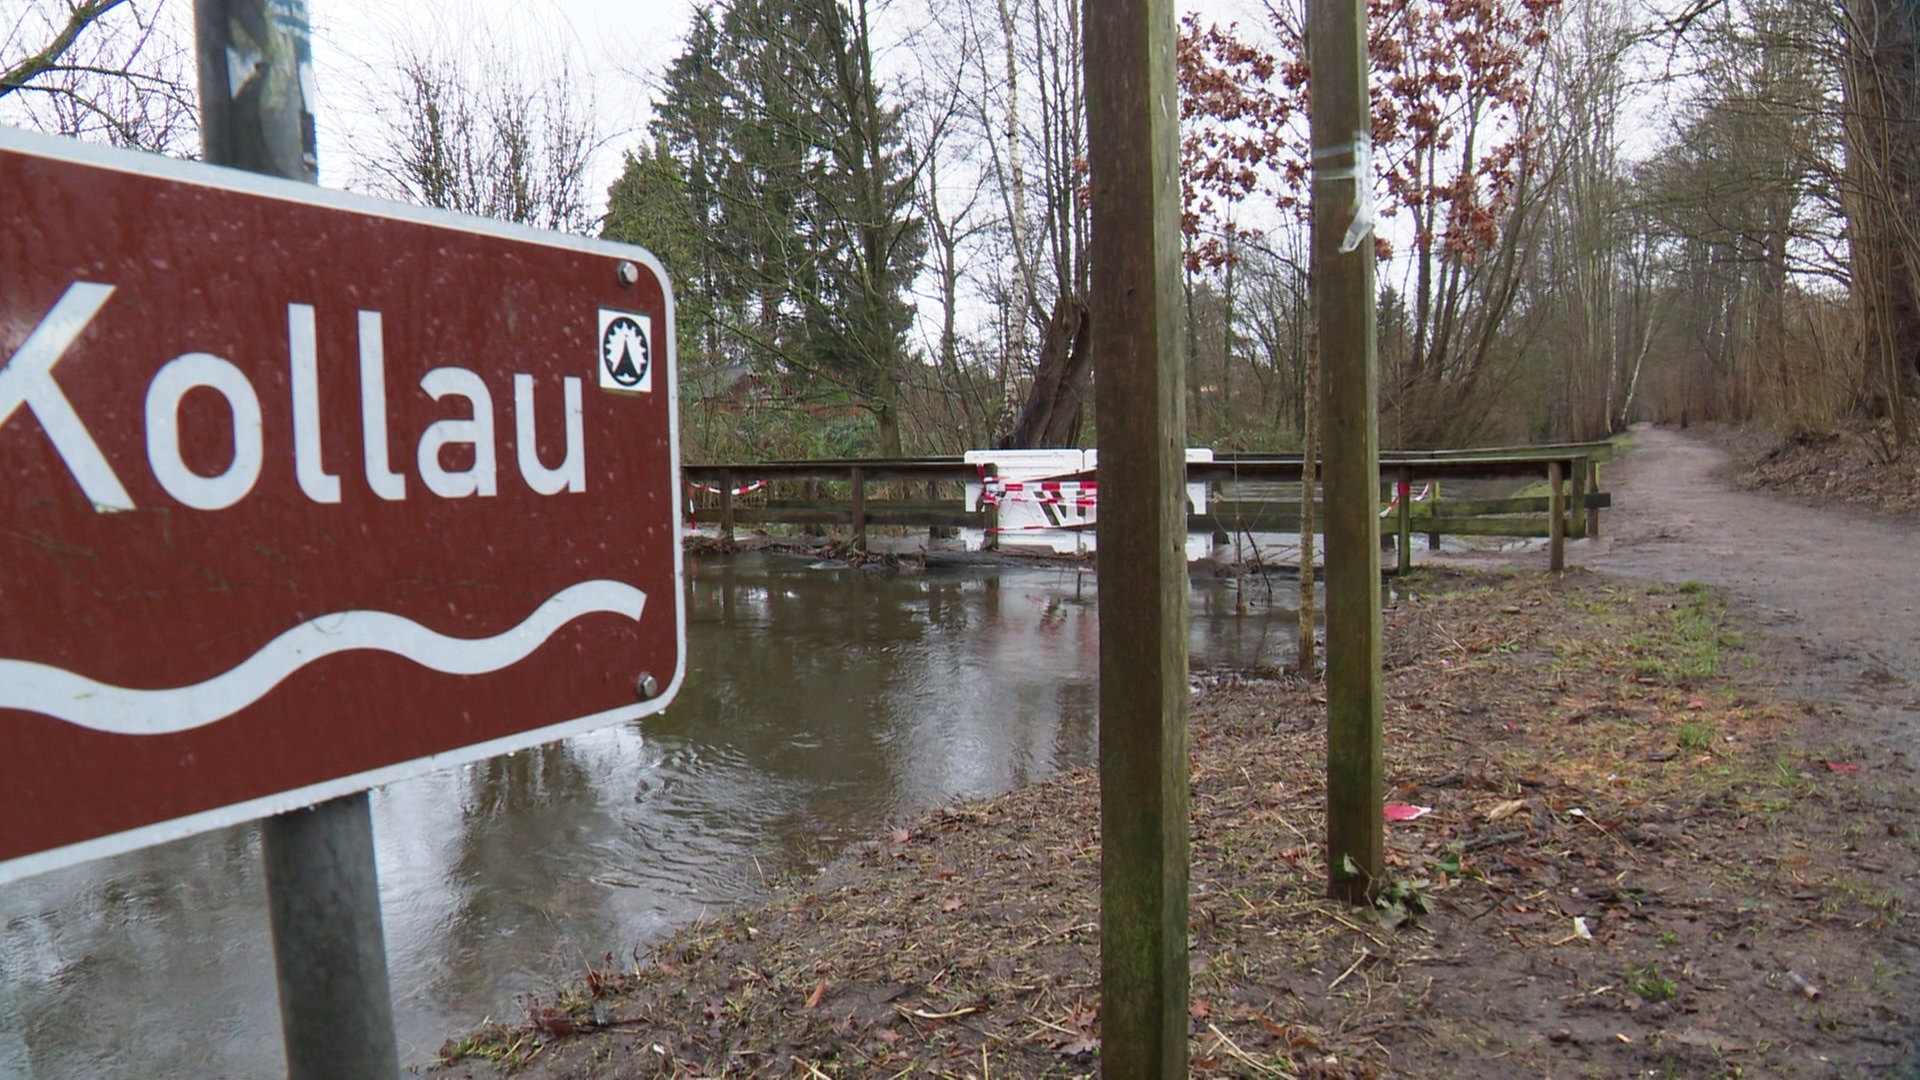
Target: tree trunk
1051 416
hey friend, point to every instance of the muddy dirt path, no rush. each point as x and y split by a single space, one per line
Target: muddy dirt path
1836 586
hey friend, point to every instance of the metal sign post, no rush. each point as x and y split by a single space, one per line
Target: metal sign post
323 887
1133 151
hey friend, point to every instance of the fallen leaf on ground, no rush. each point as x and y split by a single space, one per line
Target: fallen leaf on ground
1086 1044
1506 809
813 999
555 1022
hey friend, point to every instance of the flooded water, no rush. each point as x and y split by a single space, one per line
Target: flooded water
820 704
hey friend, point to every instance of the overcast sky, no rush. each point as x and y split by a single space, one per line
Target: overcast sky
617 47
613 46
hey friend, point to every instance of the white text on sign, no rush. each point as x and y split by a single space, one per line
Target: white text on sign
27 378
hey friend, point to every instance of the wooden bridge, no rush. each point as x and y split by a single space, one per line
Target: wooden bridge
930 492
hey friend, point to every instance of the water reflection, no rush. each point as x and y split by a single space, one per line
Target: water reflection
820 703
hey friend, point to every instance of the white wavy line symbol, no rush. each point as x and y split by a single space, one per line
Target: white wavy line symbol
119 710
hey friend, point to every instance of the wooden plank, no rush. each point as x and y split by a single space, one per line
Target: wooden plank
1343 271
755 515
1250 516
904 462
1488 526
874 506
1285 517
1135 319
1518 527
1533 504
833 472
1539 452
1289 471
887 514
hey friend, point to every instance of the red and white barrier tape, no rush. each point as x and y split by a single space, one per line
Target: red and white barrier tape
1400 491
1081 494
737 492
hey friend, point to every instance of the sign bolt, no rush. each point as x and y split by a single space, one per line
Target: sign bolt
628 273
647 686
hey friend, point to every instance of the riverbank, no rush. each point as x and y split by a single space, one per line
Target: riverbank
1639 856
1857 464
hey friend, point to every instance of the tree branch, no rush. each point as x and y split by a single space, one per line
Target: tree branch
78 19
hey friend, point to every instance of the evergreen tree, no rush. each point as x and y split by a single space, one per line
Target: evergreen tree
789 201
651 205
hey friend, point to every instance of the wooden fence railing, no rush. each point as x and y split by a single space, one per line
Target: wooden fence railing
930 492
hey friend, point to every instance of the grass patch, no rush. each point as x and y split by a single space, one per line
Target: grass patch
1649 984
1696 736
1684 645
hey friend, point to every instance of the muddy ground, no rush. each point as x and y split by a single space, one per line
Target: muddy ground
1670 832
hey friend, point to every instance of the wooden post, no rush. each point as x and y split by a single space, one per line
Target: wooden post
1403 544
1577 499
1556 516
1593 488
726 505
1134 256
934 532
991 541
1343 268
859 508
1433 511
323 890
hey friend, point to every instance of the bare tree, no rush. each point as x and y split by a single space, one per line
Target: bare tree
1023 73
484 137
1755 205
1576 277
113 71
1883 169
954 198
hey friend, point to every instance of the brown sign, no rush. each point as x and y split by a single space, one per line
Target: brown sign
301 493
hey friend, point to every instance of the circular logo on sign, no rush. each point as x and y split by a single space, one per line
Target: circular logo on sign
623 349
